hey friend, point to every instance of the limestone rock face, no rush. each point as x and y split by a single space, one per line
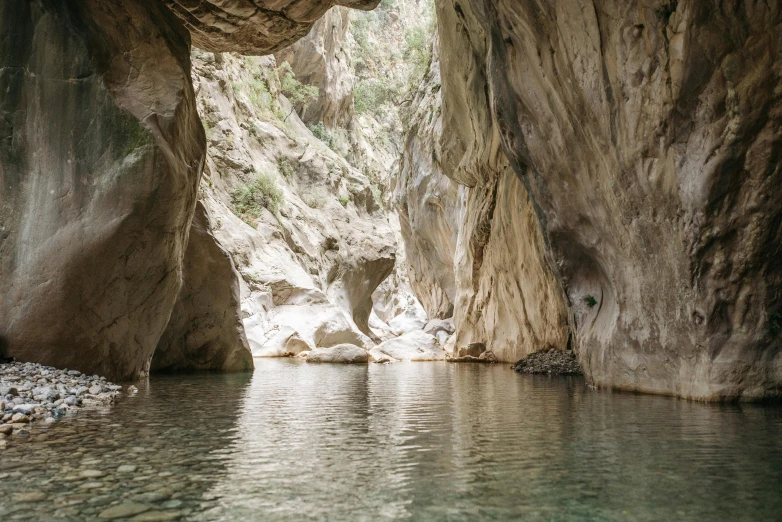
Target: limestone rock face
647 137
471 235
341 353
309 267
100 157
322 59
253 26
412 346
205 331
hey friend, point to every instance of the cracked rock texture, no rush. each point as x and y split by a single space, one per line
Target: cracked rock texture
647 138
474 248
322 58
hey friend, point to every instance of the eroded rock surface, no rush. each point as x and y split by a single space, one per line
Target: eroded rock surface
205 331
100 159
253 26
322 59
99 164
471 234
412 346
647 139
341 353
311 261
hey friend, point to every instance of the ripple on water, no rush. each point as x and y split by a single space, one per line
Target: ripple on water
408 441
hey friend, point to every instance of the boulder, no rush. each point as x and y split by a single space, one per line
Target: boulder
341 353
472 350
413 346
282 342
377 356
404 323
435 326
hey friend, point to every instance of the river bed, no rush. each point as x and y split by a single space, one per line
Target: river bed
405 441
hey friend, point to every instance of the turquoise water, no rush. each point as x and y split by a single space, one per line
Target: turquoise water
407 441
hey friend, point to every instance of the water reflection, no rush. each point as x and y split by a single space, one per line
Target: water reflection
447 442
415 441
155 449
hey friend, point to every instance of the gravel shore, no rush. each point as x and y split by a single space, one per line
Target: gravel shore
550 362
34 393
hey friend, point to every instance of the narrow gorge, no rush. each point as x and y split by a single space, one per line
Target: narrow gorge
247 188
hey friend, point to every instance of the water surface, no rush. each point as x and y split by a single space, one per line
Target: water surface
407 441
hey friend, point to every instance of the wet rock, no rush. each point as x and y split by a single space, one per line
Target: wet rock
554 362
342 353
488 356
377 356
472 350
124 510
92 473
43 393
20 418
157 516
29 496
485 357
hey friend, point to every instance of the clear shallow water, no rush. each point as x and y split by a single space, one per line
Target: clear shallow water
408 441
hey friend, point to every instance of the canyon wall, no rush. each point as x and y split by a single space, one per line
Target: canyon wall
306 231
474 248
322 59
100 159
100 162
647 139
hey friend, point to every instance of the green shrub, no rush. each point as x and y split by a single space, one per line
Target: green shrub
257 92
322 133
293 89
262 192
285 167
370 94
377 194
590 301
344 200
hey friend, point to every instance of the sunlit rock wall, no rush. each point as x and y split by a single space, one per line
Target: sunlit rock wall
474 248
